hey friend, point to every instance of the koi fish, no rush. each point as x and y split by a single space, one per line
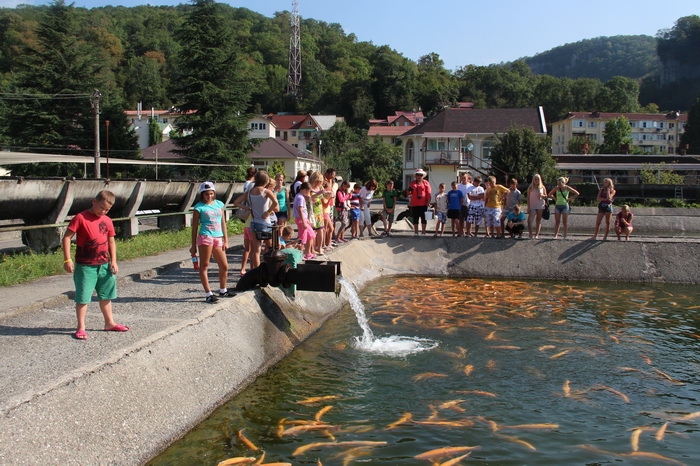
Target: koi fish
427 375
462 423
316 399
276 464
652 456
647 359
661 432
513 439
490 336
262 457
321 412
558 355
396 319
248 444
454 461
353 443
476 392
665 375
468 369
612 390
301 429
688 417
280 426
439 452
634 438
567 388
506 347
238 460
453 405
405 418
490 364
546 347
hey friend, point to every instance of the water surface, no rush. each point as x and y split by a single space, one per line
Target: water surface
528 372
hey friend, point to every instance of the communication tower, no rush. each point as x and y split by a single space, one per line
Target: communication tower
294 74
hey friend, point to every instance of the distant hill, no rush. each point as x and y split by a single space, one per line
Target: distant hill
600 58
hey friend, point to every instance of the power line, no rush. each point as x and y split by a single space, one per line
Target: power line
22 96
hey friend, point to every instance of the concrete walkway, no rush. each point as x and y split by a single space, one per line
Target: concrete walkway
121 397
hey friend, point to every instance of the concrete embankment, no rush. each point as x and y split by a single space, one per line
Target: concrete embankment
121 398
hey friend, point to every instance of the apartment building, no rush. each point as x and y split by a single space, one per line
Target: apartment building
655 133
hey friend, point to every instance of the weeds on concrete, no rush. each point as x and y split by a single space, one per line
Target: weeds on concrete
27 266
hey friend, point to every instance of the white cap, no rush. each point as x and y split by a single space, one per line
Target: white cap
420 171
207 186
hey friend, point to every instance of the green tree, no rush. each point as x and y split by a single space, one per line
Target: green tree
436 88
380 161
522 153
617 133
277 168
576 145
660 174
621 95
211 94
62 71
691 136
155 135
337 142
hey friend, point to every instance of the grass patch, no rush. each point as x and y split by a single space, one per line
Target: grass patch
28 266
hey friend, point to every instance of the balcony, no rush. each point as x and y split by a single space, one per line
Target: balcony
447 157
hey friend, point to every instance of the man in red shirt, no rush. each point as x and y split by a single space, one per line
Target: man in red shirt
420 193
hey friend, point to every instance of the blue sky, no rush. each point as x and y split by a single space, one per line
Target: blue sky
463 32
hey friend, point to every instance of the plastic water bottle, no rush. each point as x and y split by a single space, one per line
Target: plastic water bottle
195 262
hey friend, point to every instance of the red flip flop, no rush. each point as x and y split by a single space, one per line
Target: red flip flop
118 328
80 335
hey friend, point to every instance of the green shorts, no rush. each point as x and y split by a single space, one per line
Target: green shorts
88 278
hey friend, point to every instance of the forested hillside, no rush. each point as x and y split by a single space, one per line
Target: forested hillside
600 58
141 54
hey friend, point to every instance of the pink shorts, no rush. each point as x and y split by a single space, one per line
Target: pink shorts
248 234
305 233
206 240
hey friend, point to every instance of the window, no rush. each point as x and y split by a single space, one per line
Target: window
645 124
579 124
662 124
671 125
592 137
294 134
308 123
592 124
277 134
486 148
409 151
670 137
633 124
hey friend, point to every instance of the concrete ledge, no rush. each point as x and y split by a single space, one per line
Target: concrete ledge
129 404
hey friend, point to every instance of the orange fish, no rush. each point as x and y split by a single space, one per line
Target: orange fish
321 412
567 388
546 347
513 439
558 355
612 390
476 392
468 369
661 432
666 376
359 443
634 438
440 452
652 456
316 399
427 375
248 444
453 405
301 429
405 418
456 460
238 460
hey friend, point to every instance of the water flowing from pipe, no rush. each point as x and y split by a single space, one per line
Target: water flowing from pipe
392 345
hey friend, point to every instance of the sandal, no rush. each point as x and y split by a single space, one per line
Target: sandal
80 335
118 328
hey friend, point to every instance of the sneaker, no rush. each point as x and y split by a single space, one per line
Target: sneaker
415 234
211 299
227 294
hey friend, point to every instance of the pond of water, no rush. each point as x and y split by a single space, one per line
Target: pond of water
505 372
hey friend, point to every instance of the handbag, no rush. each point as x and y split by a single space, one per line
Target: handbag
545 212
243 214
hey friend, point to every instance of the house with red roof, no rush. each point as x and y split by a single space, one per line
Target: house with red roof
300 131
394 126
293 159
459 140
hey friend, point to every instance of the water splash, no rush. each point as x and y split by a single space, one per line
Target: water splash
392 345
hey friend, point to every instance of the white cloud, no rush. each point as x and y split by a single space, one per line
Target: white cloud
14 3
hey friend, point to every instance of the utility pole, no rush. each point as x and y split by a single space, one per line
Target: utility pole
95 99
294 73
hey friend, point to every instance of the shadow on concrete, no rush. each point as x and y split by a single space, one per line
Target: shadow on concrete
578 250
274 314
8 331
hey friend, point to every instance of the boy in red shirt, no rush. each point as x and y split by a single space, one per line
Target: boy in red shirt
96 261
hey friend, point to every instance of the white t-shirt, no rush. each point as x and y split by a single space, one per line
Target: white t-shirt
466 189
475 192
366 197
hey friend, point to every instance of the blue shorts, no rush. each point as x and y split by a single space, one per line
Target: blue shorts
355 214
604 208
442 217
562 209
